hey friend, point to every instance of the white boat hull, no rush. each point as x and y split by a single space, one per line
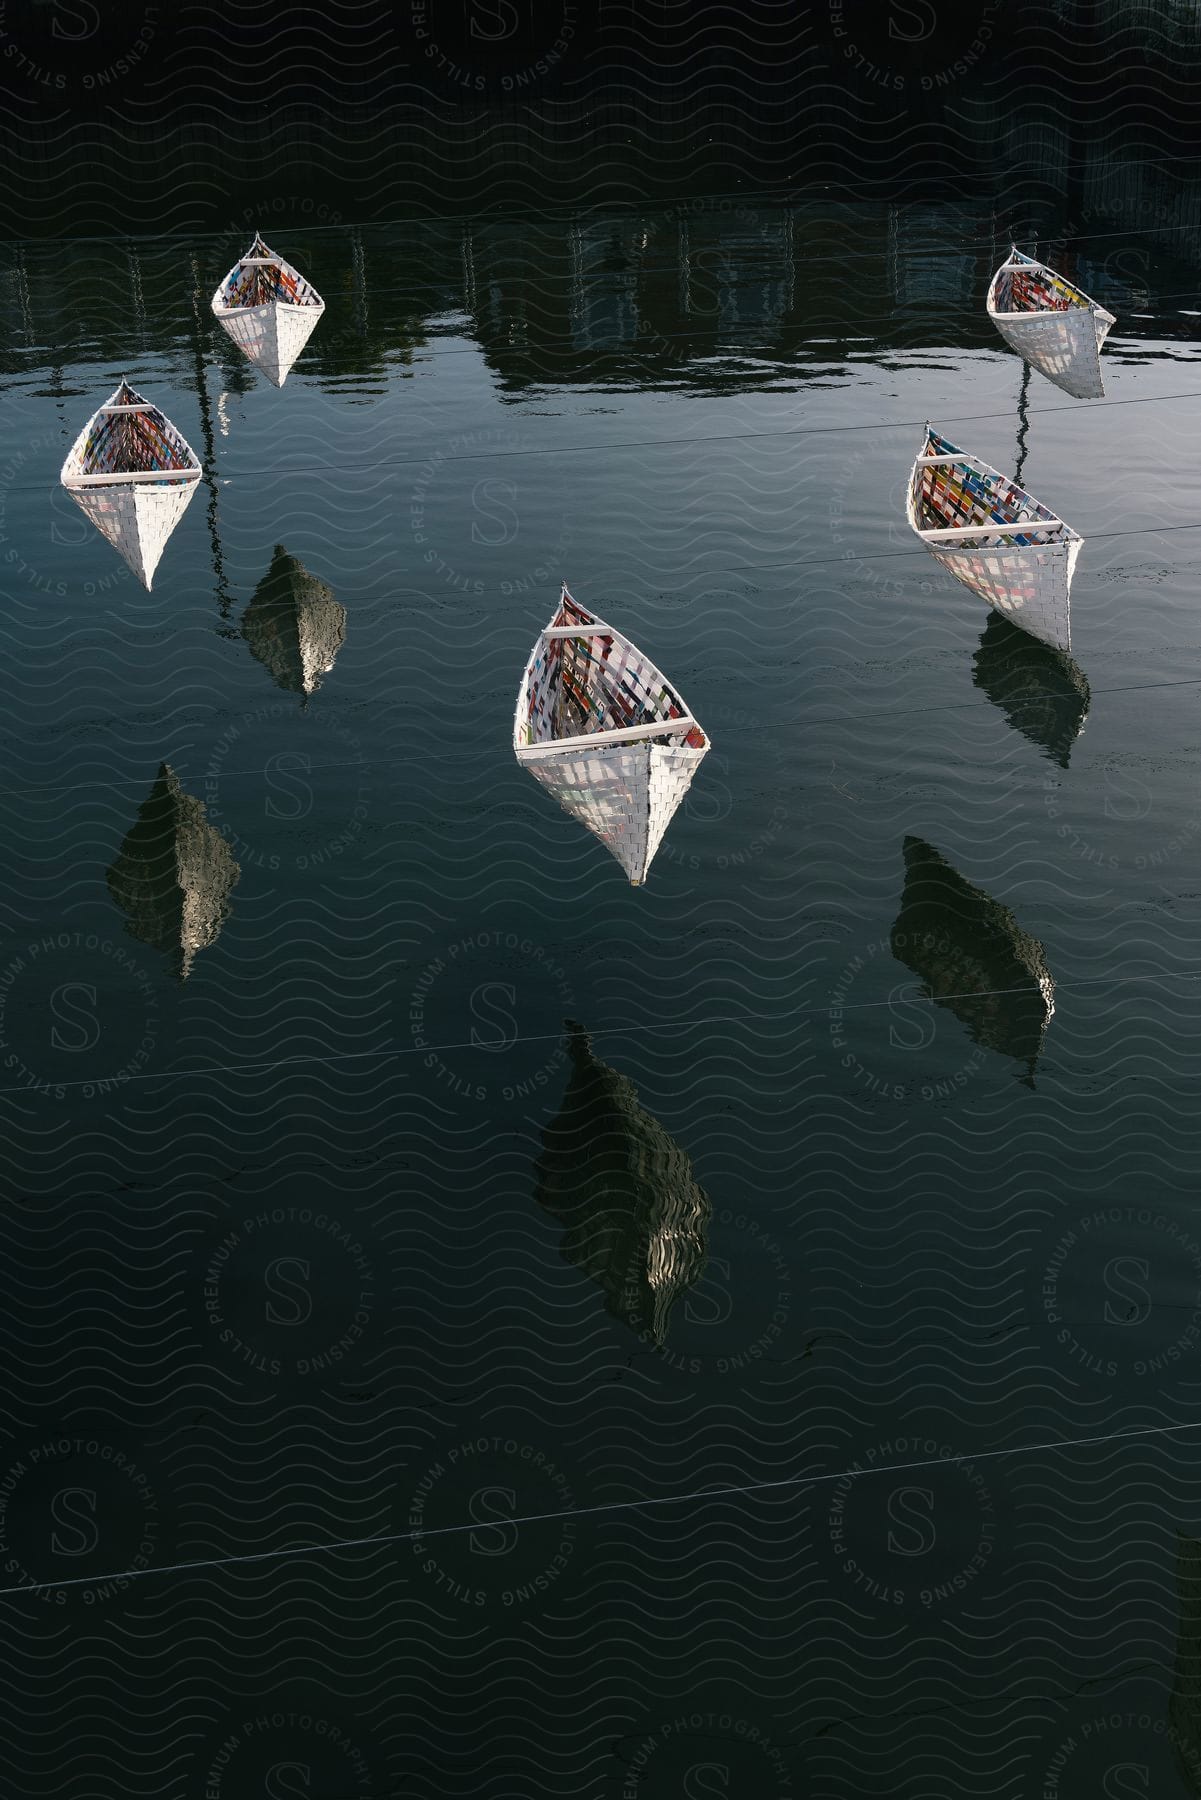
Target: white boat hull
137 521
1031 587
626 794
1063 346
271 336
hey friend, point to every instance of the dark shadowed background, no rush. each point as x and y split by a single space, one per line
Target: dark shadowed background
379 1165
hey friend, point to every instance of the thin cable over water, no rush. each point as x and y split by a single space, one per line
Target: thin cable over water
600 1031
611 1506
601 446
602 209
369 763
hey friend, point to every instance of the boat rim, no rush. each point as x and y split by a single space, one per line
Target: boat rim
244 312
1049 312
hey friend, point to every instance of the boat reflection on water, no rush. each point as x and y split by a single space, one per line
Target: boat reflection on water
633 1216
973 958
1184 1706
173 875
293 625
1041 691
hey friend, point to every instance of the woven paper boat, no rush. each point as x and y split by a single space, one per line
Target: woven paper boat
995 537
1056 328
269 310
604 732
133 474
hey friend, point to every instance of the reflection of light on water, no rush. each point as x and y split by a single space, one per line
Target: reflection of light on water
222 414
1046 988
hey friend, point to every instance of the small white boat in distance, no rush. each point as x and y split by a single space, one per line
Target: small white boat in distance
269 310
133 473
1056 328
994 537
601 729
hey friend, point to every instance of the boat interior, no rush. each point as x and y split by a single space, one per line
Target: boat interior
597 682
121 443
261 278
957 494
1029 288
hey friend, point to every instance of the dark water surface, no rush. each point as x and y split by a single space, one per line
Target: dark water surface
323 1222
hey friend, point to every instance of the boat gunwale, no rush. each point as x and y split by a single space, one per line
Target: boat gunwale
132 475
996 529
1048 312
973 549
244 312
629 734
